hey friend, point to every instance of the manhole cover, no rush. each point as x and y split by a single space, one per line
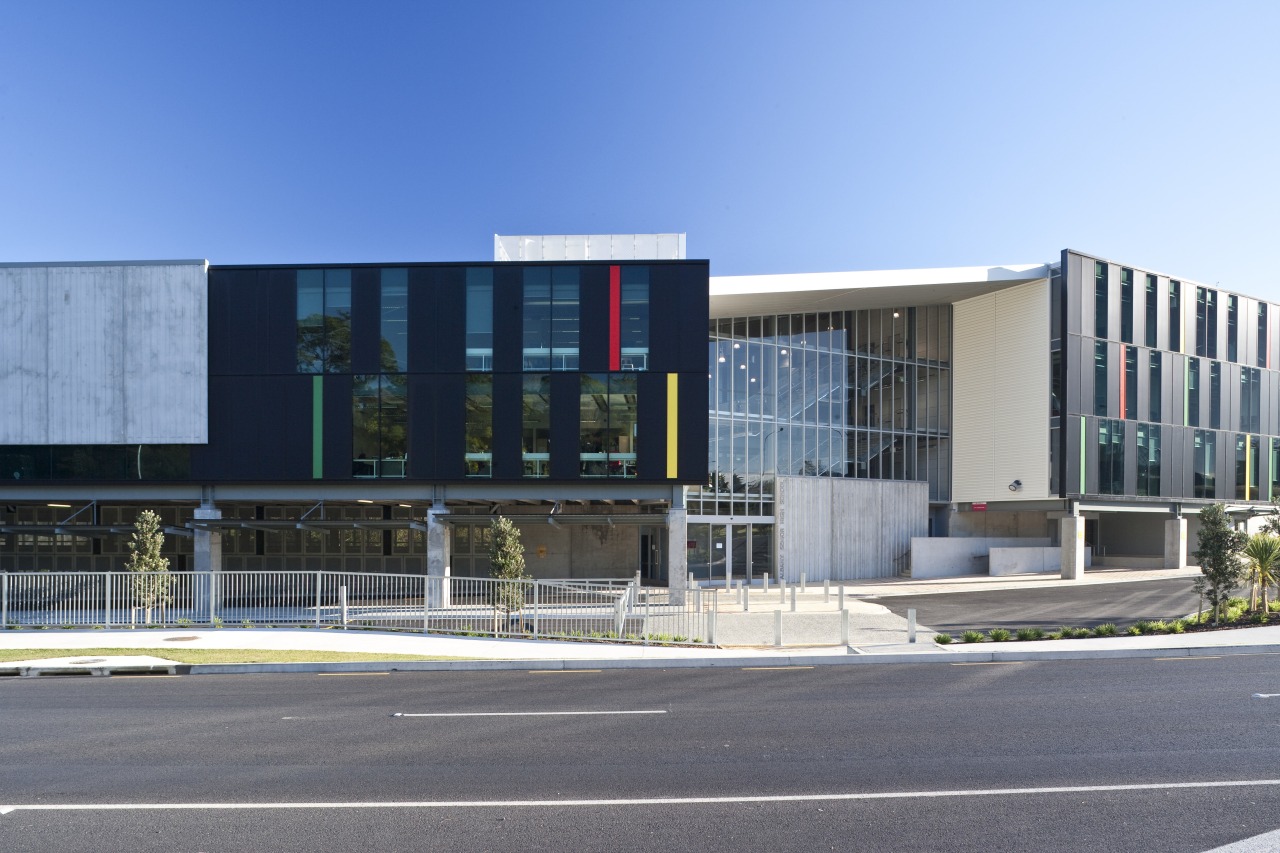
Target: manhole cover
179 639
88 660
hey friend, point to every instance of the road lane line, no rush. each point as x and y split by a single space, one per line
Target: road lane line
987 663
559 671
1265 695
529 713
1193 657
353 673
766 668
643 801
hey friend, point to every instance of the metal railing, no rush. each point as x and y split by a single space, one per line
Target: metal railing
603 609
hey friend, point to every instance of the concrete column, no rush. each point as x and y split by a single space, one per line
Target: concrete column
677 551
438 556
207 545
1175 543
1071 534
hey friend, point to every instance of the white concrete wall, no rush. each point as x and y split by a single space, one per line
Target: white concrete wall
947 557
1000 393
104 353
837 529
1021 561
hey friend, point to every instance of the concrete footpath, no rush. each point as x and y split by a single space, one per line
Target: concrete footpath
875 638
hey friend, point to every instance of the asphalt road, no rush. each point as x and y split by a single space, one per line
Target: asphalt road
911 754
1085 606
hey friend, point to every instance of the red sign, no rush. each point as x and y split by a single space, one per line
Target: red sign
980 507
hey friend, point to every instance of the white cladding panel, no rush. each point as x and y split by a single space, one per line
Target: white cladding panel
1000 393
588 247
104 354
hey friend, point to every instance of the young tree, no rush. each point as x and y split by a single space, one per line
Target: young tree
1222 570
1263 556
151 571
506 563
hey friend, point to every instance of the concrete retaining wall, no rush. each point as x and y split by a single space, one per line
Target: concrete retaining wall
967 555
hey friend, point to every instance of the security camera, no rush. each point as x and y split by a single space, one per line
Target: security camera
1015 485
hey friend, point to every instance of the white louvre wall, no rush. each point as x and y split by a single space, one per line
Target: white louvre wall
589 247
104 353
1000 393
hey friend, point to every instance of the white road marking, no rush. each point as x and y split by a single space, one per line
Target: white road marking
559 671
764 668
1265 695
528 713
1268 842
639 801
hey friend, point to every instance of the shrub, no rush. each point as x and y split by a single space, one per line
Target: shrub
1143 626
1133 631
1158 627
1030 634
245 623
999 635
1106 629
1178 626
942 639
67 626
182 622
972 637
1083 633
216 621
1258 618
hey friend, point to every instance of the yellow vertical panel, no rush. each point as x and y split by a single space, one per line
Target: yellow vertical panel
673 418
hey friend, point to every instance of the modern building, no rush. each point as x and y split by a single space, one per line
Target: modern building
858 424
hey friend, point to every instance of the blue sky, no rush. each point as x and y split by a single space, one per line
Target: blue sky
782 137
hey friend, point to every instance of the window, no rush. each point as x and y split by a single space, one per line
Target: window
1155 388
1250 399
1148 460
1126 306
633 320
607 431
1110 457
1233 304
1100 378
535 431
1215 395
1099 299
1264 352
479 426
1129 395
1152 329
479 318
1247 468
1175 316
324 321
394 357
1206 322
1203 450
551 319
1191 401
379 425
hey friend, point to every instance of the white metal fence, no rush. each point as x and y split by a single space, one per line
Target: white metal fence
600 610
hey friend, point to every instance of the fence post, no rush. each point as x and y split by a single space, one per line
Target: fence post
106 603
342 601
619 615
777 627
4 600
318 584
426 599
911 624
844 627
536 585
646 618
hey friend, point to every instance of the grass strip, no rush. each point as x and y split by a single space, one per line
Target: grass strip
189 655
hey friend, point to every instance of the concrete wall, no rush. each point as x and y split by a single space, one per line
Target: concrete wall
1021 561
847 529
1000 388
581 551
104 353
956 556
1001 524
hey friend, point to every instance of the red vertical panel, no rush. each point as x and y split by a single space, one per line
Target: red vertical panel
615 318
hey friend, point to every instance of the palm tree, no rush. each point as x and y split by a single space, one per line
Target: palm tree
1263 555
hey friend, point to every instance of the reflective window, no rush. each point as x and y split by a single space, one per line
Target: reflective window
1250 399
535 442
1203 450
1130 401
479 318
1175 316
1192 399
1126 305
1099 299
479 426
394 357
633 328
1110 457
607 425
1264 352
379 425
1151 309
324 321
1215 395
551 318
1155 387
1233 306
1100 378
1148 460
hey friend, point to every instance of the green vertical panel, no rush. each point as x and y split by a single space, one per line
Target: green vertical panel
317 427
1082 456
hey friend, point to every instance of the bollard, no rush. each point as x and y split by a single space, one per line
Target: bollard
746 600
793 599
844 627
766 582
782 589
911 624
802 587
842 596
637 577
619 617
777 628
826 592
342 602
